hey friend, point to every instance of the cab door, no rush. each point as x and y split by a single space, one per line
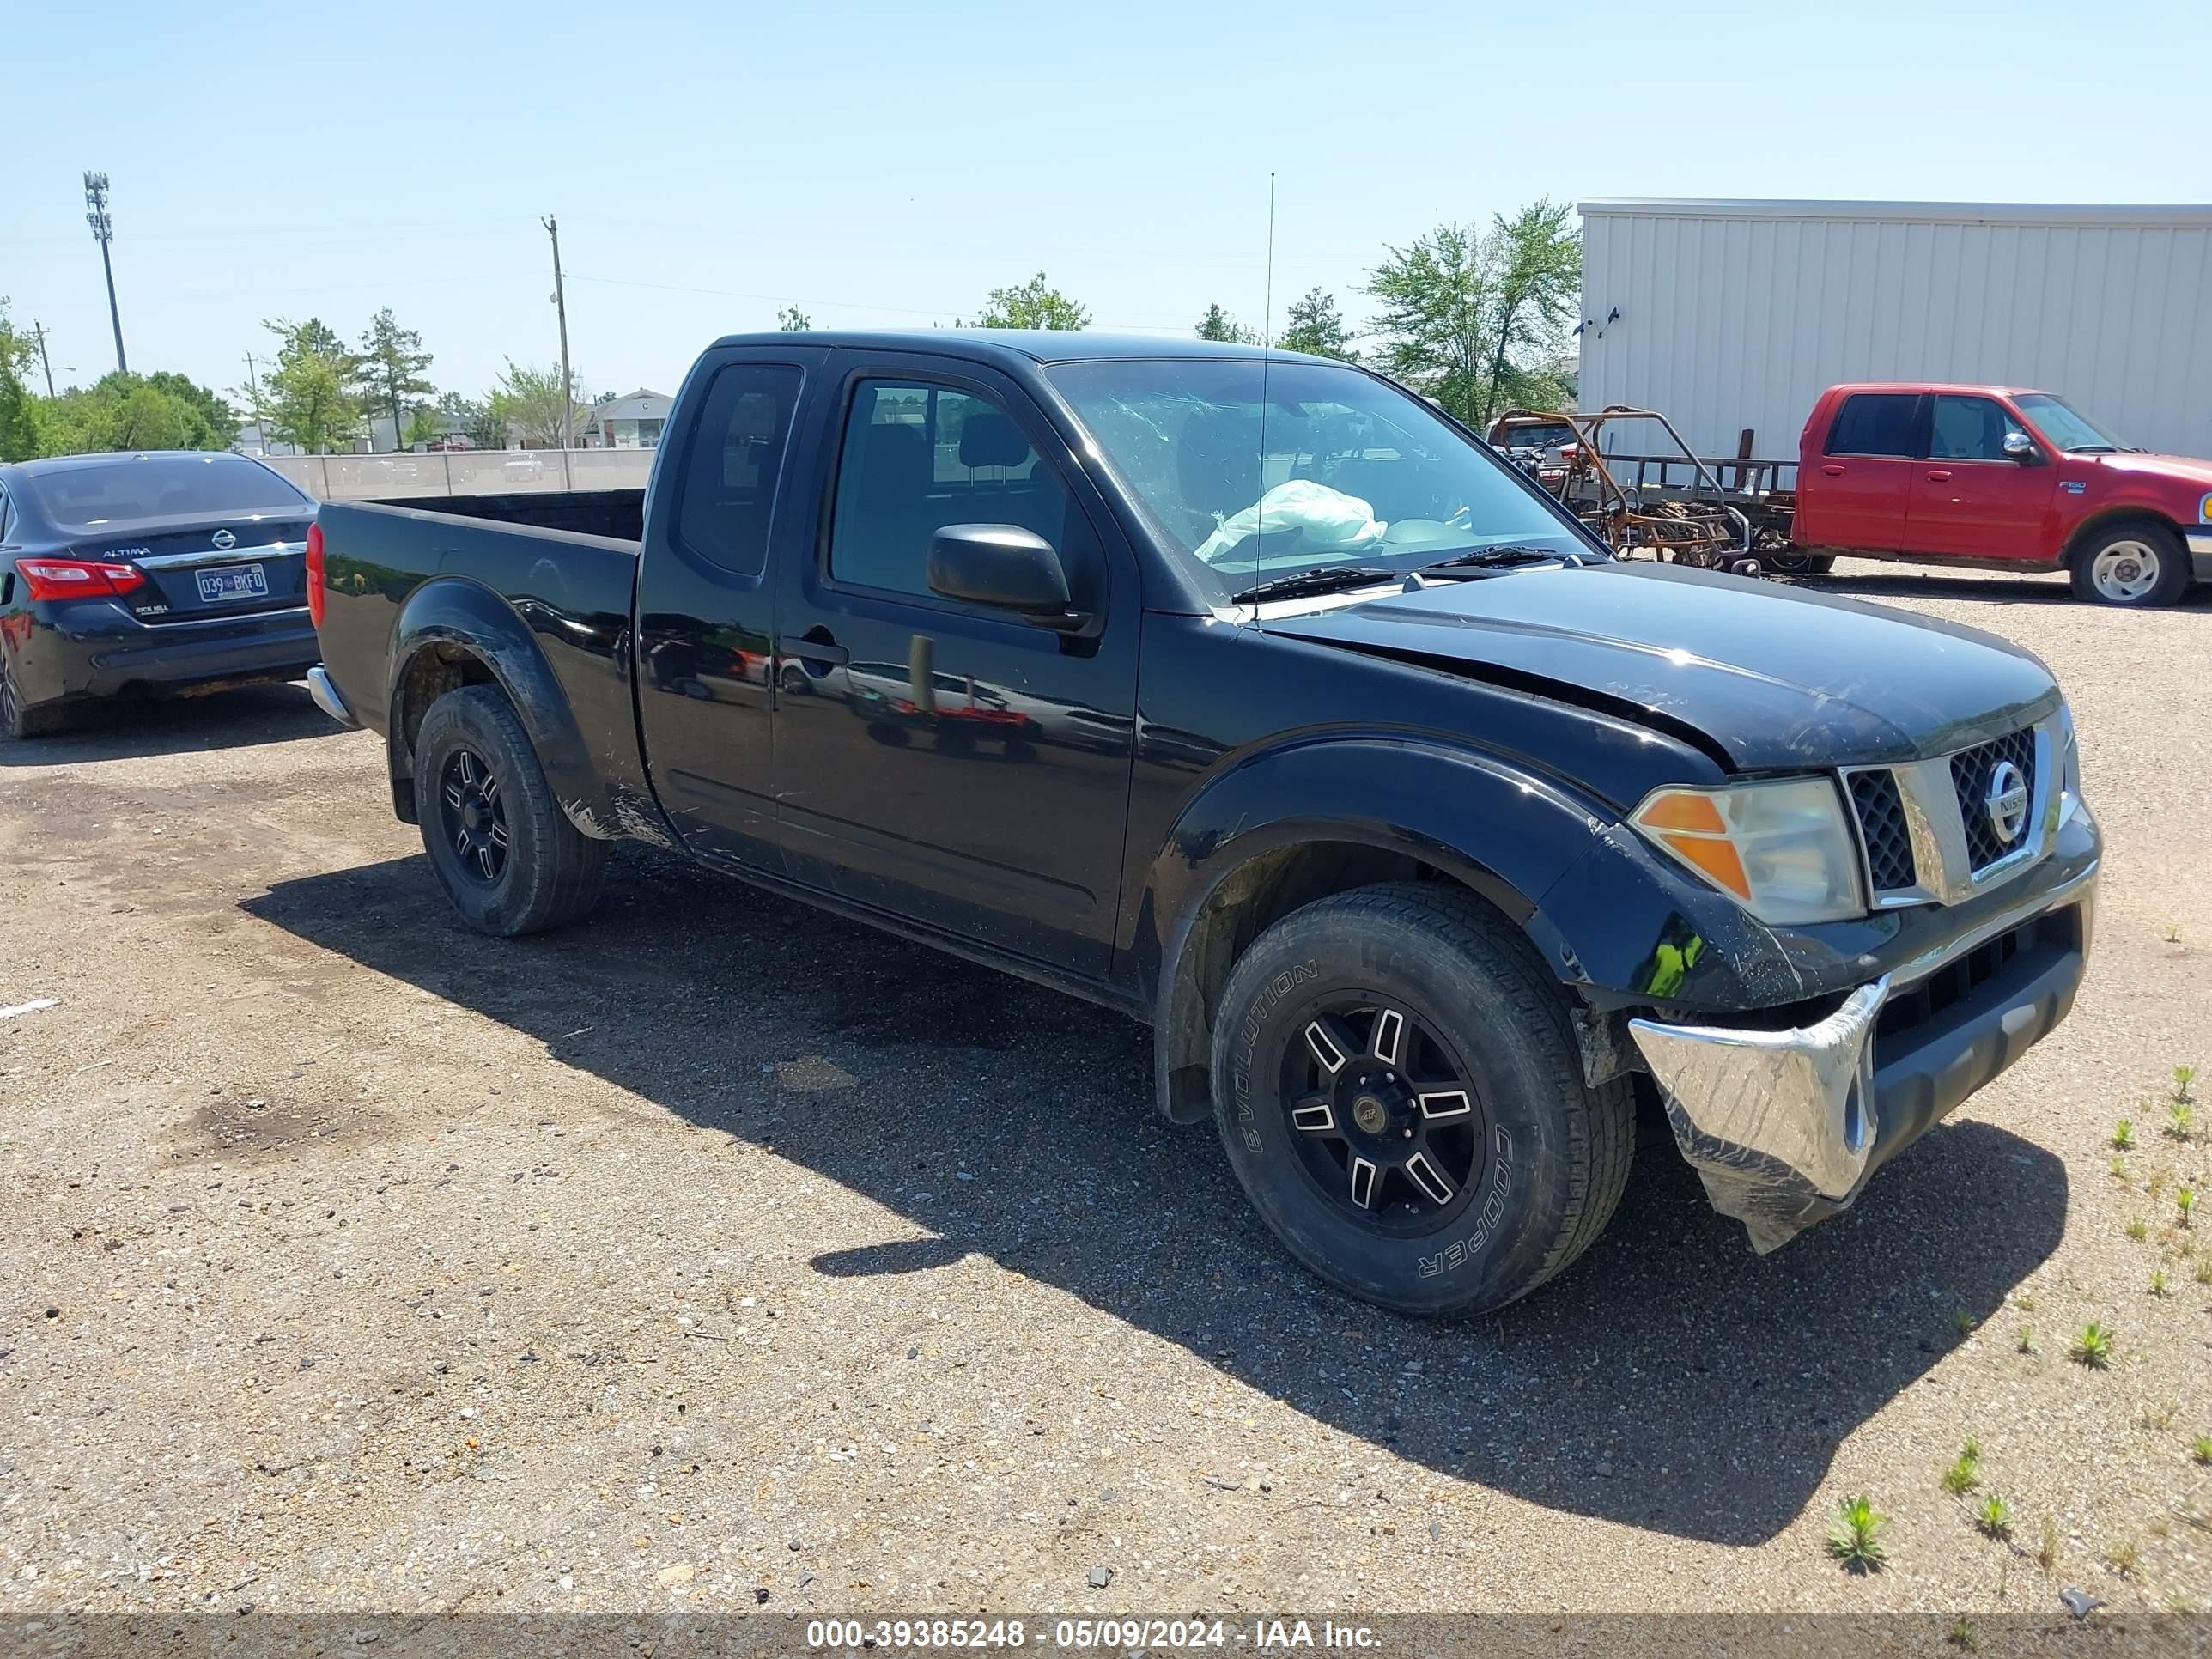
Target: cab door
1971 499
1861 484
706 604
943 761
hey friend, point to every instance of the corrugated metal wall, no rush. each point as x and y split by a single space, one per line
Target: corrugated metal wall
1737 314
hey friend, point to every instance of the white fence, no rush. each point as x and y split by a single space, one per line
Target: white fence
464 472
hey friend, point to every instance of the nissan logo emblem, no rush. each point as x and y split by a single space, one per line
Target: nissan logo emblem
2006 802
224 541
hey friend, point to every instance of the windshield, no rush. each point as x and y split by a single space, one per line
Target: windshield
133 487
1536 437
1353 471
2064 425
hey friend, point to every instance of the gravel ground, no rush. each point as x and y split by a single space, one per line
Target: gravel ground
720 1251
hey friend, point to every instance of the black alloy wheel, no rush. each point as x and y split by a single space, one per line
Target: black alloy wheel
1385 1118
473 816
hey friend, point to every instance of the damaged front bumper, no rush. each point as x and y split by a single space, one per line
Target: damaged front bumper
1785 1127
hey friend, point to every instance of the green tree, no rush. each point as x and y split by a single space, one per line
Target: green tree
1314 327
18 431
18 424
307 399
128 411
1034 304
1477 320
1219 325
220 418
528 400
791 320
391 362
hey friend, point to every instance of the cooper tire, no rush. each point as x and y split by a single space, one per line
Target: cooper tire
1551 1155
505 853
2135 565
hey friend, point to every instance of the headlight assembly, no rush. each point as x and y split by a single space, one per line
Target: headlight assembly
1784 850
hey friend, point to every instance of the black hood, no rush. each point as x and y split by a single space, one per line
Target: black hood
1778 677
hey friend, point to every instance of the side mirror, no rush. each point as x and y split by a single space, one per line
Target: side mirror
2020 446
1005 567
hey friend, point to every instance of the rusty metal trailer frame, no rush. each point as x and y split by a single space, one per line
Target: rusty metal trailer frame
1700 523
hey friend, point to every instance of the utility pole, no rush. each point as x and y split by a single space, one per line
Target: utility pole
568 383
45 362
103 232
253 387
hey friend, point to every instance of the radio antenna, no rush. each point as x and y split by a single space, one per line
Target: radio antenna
1267 341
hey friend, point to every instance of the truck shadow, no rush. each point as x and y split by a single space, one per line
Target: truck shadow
1670 1381
130 728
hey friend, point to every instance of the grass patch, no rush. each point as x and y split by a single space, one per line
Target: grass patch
2138 1229
1855 1536
2201 1449
1993 1517
1966 1471
2124 1134
2092 1346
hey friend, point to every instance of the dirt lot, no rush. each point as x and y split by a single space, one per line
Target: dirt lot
716 1249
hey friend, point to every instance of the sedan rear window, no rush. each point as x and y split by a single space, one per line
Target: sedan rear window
135 487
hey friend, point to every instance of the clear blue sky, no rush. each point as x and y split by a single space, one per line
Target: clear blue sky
887 165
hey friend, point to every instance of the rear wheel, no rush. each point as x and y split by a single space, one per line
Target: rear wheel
2137 564
17 722
505 854
1400 1095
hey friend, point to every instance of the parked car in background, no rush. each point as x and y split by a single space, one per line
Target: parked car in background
167 573
1424 832
2002 477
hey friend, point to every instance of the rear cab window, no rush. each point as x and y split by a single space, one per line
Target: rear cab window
734 463
1875 423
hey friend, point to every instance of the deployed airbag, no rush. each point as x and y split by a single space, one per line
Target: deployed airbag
1329 521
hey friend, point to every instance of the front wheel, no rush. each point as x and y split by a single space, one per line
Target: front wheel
2138 565
1398 1090
505 853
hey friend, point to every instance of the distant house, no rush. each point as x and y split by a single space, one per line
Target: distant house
634 422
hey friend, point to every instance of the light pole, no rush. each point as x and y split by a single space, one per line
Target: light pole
103 232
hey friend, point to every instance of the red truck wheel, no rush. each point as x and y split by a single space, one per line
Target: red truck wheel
2136 563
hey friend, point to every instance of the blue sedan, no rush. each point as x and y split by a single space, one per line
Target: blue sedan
161 573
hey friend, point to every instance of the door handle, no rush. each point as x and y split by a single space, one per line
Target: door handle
1832 471
1940 475
834 656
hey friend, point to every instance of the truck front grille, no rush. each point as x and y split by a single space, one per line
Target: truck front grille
1971 772
1927 828
1883 827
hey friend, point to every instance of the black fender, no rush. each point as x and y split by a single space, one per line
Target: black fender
460 614
1506 832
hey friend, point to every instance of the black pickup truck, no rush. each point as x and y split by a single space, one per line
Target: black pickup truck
1250 695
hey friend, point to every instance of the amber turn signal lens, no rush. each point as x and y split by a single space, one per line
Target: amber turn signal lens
1695 813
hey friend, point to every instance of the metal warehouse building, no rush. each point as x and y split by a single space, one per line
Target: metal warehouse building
1728 315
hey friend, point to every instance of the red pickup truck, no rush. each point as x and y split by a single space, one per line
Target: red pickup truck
2002 477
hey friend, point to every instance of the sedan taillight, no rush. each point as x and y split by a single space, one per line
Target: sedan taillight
79 579
315 574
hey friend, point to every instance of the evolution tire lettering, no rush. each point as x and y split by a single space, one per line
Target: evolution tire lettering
1248 1034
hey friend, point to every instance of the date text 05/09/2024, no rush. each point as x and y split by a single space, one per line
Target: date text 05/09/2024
1110 1634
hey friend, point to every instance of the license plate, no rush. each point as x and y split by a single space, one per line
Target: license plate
238 581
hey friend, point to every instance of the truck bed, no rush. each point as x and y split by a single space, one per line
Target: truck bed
619 514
